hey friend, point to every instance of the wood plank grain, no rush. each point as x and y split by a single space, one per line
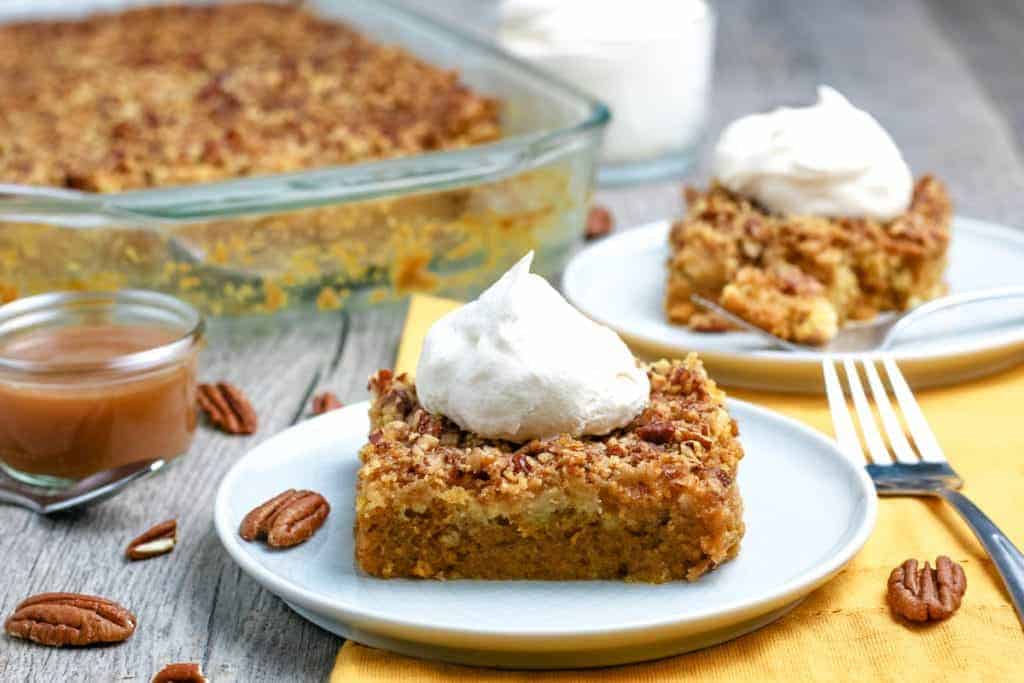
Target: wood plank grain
988 36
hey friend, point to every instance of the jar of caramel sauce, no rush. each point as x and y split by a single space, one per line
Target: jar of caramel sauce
94 380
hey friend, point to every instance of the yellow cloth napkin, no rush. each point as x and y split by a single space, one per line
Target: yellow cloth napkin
844 631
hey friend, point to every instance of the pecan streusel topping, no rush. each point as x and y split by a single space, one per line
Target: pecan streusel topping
183 94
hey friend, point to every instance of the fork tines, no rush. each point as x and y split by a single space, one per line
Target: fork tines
895 447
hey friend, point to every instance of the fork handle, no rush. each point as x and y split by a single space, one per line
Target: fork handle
1007 558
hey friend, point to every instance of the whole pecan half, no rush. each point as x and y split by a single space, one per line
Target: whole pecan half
286 519
256 524
227 408
158 540
599 222
927 594
325 403
59 619
180 672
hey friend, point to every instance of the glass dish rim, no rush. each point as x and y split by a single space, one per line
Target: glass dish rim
333 185
138 361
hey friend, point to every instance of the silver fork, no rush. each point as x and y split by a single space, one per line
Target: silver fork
900 469
876 335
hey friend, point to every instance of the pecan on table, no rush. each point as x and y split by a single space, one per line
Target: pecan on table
599 222
927 594
180 672
286 519
158 540
227 408
59 619
325 403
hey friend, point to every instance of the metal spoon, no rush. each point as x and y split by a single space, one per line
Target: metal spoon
873 336
92 489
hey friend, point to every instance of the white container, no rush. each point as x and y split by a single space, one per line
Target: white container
648 60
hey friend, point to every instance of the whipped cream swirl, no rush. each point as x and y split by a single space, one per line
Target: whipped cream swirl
829 159
520 363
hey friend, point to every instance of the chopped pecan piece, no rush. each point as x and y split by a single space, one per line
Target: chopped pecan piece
521 463
286 519
927 594
159 540
60 619
180 672
724 478
657 432
227 408
325 403
380 381
425 423
599 222
690 435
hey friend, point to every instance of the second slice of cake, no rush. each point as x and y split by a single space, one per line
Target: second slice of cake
813 220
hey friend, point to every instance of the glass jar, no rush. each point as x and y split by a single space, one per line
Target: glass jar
90 381
649 61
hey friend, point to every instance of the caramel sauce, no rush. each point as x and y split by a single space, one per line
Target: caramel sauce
71 424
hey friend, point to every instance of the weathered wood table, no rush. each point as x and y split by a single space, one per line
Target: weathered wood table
945 78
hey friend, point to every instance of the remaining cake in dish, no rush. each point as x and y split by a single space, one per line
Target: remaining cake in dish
804 230
181 94
535 447
654 501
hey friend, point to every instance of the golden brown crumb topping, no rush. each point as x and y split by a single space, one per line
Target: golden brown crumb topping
684 439
920 230
182 94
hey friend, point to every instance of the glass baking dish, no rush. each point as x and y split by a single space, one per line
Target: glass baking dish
344 236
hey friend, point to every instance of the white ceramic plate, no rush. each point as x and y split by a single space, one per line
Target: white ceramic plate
620 282
807 510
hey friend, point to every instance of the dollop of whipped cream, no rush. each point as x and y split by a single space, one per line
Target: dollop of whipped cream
520 363
829 159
